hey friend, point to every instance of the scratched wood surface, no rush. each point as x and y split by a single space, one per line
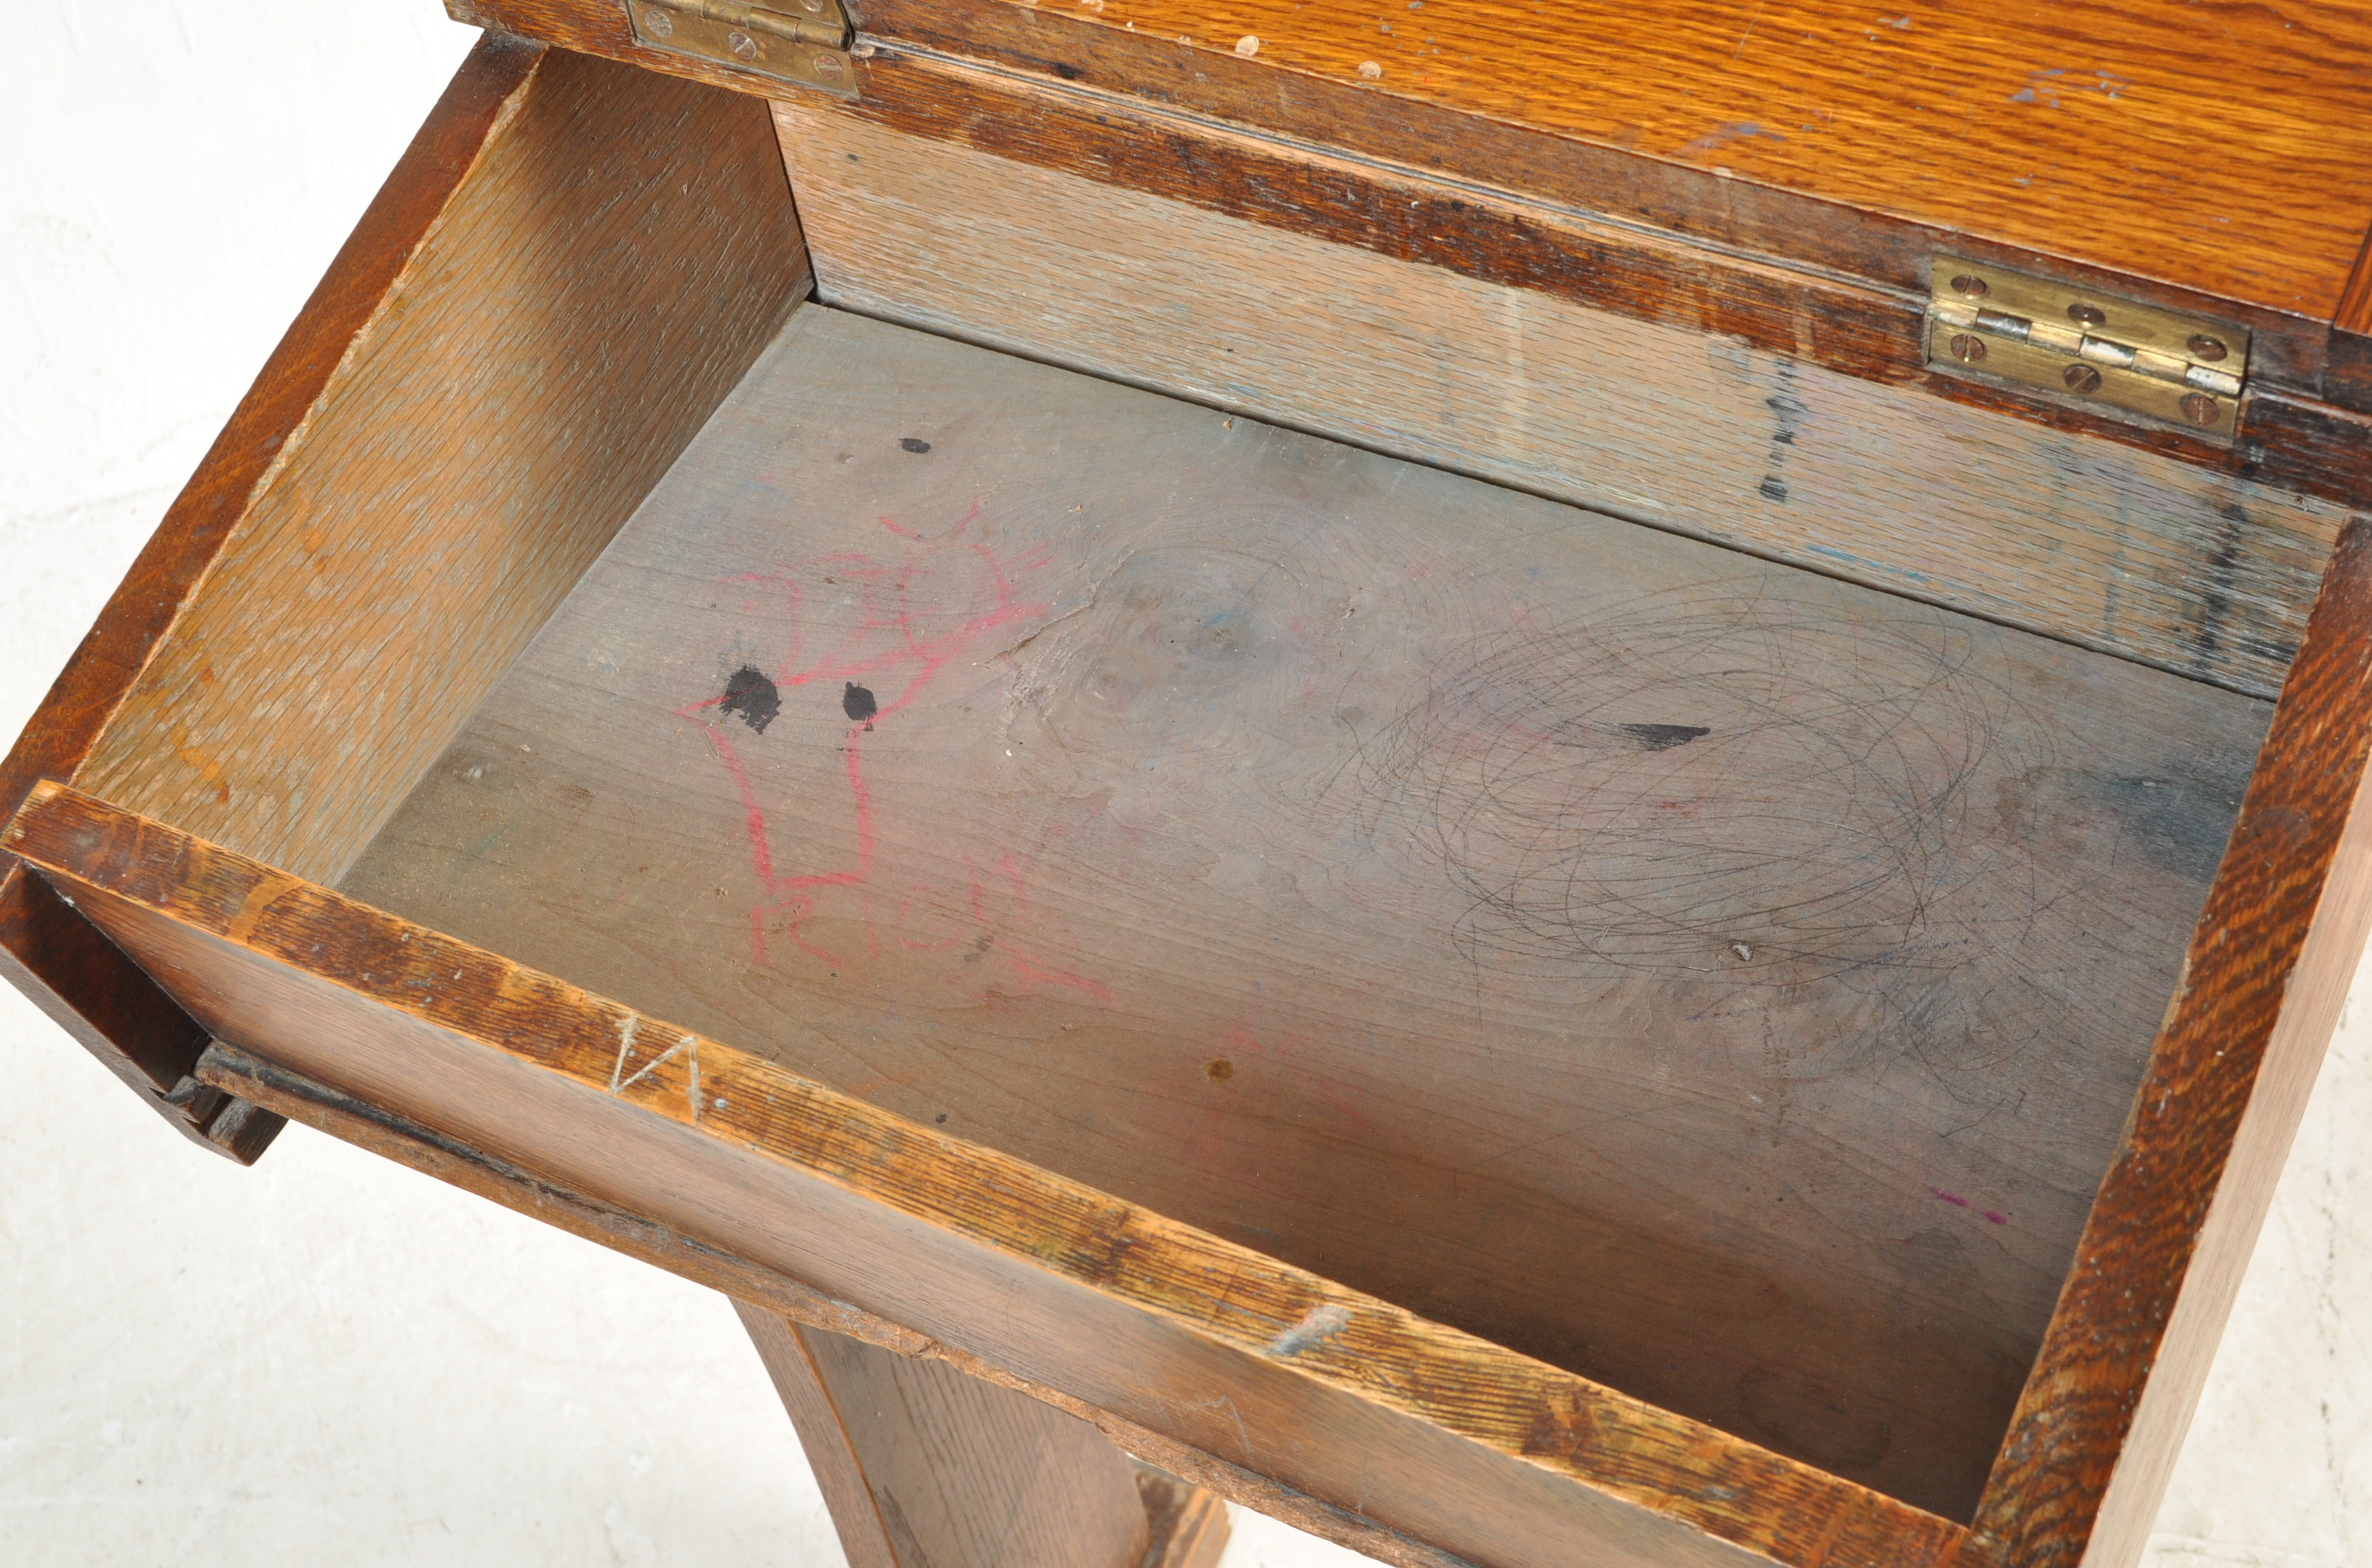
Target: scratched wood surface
620 249
1420 1440
923 1467
2129 551
1714 978
2226 147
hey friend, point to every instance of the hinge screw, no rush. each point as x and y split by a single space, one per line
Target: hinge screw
2081 378
828 67
2199 408
2207 348
743 46
1968 286
812 8
657 23
2088 315
1968 348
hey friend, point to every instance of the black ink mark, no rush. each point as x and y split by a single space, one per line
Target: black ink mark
1663 736
1787 410
2215 599
858 702
913 444
752 696
1645 736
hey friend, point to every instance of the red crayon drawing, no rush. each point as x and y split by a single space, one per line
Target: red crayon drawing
1960 1202
894 625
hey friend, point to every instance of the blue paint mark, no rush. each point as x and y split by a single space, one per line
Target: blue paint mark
1867 564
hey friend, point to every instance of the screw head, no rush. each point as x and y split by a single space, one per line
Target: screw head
743 46
657 23
2200 408
1968 348
2081 378
2207 348
1968 286
812 8
2087 315
828 67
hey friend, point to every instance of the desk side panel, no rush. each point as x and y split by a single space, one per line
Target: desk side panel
2103 1414
46 950
619 255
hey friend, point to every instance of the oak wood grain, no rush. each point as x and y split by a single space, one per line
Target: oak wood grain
949 1471
2241 158
45 950
1182 1525
2098 1424
1428 1432
620 249
351 294
1730 436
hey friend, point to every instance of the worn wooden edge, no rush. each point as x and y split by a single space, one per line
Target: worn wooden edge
1734 224
758 1288
48 952
2240 1019
1359 1347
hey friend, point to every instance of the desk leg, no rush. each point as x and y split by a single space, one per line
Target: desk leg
924 1467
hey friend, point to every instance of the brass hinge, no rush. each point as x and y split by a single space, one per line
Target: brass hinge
806 41
2086 346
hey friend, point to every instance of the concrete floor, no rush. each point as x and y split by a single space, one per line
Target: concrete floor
330 1359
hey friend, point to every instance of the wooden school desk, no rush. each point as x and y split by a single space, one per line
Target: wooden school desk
1546 785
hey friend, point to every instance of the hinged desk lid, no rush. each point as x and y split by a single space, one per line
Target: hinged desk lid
2227 149
1785 173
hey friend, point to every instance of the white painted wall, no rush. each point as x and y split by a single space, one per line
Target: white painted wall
330 1359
